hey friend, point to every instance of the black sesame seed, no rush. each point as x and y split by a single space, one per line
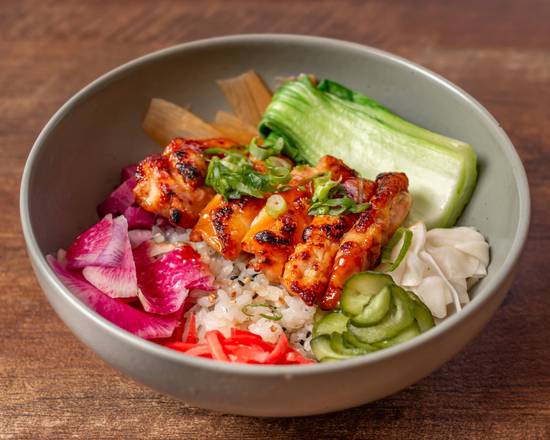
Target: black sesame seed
175 215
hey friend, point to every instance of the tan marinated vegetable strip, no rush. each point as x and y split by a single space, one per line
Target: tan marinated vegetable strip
247 95
233 128
164 121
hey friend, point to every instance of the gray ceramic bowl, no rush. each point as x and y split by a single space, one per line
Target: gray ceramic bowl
77 157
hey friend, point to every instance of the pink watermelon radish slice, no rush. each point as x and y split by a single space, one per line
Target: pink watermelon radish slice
105 254
138 236
138 218
125 316
118 281
120 199
164 281
101 245
128 172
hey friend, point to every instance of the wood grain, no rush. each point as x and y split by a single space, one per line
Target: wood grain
499 51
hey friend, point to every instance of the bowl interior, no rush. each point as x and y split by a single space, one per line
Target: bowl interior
100 131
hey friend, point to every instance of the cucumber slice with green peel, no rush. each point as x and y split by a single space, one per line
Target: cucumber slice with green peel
321 348
319 314
375 310
389 315
360 288
399 318
347 343
330 323
423 317
409 333
350 340
338 344
422 314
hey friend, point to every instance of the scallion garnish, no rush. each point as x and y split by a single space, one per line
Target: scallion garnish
275 313
234 175
386 258
276 162
224 152
272 146
330 198
275 206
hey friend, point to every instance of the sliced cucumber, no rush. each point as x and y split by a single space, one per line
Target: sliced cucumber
330 323
399 318
320 346
409 333
360 288
350 340
375 310
338 344
422 314
389 315
319 314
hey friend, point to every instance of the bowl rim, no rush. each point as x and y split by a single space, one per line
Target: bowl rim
42 267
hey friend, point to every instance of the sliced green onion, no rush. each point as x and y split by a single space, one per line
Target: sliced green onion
276 180
359 207
270 148
257 151
279 175
275 205
283 188
329 197
278 170
404 233
234 175
318 209
275 313
275 162
224 151
323 185
337 206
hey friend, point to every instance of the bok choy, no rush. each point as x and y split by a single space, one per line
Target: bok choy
331 119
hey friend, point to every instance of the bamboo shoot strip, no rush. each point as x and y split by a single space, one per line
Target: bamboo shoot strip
164 121
233 128
247 95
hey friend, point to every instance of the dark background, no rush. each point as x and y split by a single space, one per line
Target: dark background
498 51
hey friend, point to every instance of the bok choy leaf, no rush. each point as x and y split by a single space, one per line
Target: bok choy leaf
330 119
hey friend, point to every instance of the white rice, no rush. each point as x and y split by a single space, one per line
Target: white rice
238 286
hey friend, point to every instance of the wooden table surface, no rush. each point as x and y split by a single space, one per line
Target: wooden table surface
51 386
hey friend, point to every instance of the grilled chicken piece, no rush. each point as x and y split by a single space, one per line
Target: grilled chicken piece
361 245
223 224
307 271
308 268
337 168
171 184
302 174
271 240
